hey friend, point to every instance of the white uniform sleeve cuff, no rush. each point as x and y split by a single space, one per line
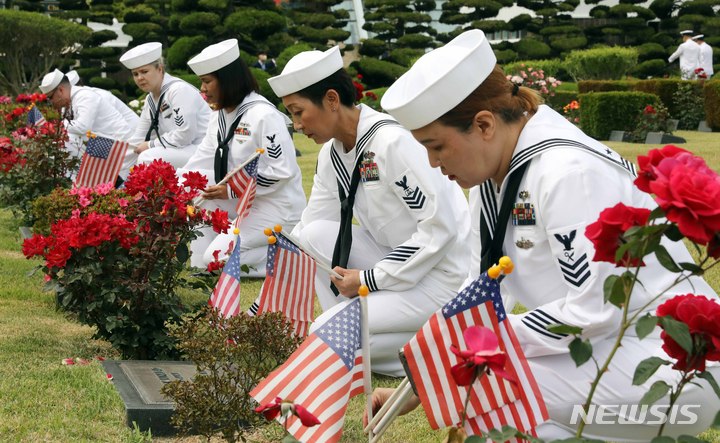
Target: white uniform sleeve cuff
230 192
367 278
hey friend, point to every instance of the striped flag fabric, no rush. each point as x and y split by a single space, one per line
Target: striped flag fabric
101 161
323 374
35 117
494 401
226 295
289 284
244 183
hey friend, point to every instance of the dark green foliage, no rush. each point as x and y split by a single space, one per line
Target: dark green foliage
551 68
138 14
290 52
258 25
265 89
214 5
650 119
505 56
373 47
232 356
183 49
143 32
199 23
490 26
648 51
99 37
530 48
662 87
88 72
417 41
320 36
650 68
102 82
98 52
377 73
586 86
712 104
603 112
560 99
689 105
275 43
662 8
405 56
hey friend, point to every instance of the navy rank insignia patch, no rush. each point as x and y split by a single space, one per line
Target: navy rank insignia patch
368 168
274 150
575 269
414 198
179 121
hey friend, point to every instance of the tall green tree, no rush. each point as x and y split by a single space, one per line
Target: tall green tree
31 44
317 23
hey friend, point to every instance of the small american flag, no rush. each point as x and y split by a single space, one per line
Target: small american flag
323 374
289 284
101 161
243 184
493 401
226 295
35 117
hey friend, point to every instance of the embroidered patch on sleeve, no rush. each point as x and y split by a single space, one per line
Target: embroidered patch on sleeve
575 267
274 150
179 120
411 194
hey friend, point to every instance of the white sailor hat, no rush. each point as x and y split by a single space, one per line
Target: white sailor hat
51 81
440 80
215 57
687 32
72 77
699 37
142 55
306 69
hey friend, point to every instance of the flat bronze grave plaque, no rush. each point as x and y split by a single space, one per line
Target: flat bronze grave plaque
139 383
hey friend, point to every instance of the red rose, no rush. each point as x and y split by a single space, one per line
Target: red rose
648 162
700 314
606 234
689 193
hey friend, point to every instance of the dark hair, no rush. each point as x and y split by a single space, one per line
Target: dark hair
495 94
64 82
340 81
235 82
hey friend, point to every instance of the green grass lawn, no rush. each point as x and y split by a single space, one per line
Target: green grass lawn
43 400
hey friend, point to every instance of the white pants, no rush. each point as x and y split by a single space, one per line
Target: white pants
394 316
564 387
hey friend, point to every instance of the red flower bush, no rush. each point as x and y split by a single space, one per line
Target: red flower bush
606 234
687 190
701 316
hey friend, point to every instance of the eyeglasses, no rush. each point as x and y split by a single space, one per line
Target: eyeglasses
51 94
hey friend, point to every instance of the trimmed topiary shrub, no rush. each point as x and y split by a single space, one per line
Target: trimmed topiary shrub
603 112
183 49
405 56
712 104
102 82
531 48
199 23
650 68
662 87
560 99
289 53
373 47
586 86
377 73
602 63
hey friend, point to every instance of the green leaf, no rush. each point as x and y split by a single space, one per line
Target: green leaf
657 213
646 368
707 376
564 329
613 290
663 439
289 439
692 267
658 390
666 260
580 351
688 439
673 233
678 331
645 325
181 252
716 422
475 439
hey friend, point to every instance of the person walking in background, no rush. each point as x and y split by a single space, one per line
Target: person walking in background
264 63
410 247
175 116
689 54
706 55
243 122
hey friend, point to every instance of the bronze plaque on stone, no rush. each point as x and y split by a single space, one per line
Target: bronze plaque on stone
148 377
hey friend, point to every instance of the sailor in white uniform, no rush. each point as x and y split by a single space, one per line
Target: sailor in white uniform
555 181
410 247
706 55
174 118
128 114
244 122
86 110
689 54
